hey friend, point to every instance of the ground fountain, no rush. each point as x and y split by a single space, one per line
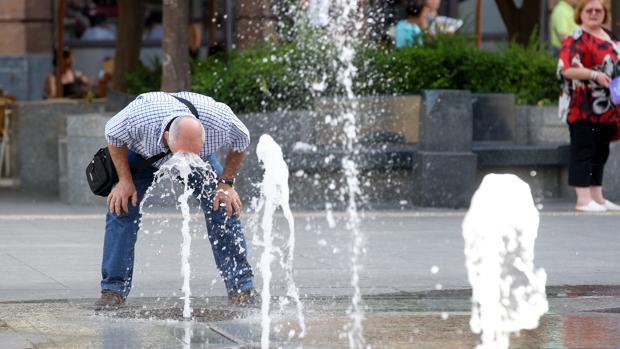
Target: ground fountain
321 286
274 194
500 230
180 167
344 27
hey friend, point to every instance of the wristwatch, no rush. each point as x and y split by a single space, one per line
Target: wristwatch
229 181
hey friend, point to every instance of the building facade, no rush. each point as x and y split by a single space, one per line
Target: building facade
26 38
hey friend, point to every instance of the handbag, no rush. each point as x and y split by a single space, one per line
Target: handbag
101 174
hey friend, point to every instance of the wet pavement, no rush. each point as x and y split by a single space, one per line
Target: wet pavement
579 317
413 281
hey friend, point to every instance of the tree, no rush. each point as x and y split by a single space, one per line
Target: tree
176 75
615 13
129 41
520 21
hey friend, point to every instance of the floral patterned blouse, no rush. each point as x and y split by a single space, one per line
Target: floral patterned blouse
585 99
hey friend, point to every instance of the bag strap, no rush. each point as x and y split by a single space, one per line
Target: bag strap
148 162
153 159
189 105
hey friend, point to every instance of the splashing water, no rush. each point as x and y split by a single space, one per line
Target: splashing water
344 28
274 193
181 166
318 12
185 252
500 230
187 335
355 331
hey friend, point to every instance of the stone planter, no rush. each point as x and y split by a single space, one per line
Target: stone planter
379 119
541 125
85 134
116 100
494 117
39 126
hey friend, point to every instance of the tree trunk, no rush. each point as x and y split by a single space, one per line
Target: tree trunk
176 75
255 23
128 42
615 18
520 22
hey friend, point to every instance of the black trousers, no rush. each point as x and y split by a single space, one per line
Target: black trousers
589 150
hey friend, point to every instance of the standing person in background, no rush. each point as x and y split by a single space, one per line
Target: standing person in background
588 61
410 31
562 23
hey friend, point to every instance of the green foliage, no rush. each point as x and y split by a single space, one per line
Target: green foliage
454 63
265 79
291 76
144 78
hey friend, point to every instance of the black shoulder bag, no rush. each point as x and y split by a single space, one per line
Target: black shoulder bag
100 172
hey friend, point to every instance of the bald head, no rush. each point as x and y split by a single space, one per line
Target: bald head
186 135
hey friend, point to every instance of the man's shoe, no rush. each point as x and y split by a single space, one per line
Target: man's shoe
246 298
109 300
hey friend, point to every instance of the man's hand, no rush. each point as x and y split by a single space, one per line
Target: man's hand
124 189
227 196
118 200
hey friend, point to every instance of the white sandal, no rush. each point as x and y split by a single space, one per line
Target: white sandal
592 206
610 206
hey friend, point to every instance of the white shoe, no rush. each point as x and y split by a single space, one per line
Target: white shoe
592 206
611 206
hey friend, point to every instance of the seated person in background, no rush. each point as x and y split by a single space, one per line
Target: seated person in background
74 83
410 31
99 29
195 39
105 76
440 24
153 28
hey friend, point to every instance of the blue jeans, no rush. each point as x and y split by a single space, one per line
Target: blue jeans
226 233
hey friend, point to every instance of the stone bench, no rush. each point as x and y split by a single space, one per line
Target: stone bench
387 157
396 157
513 155
389 165
453 153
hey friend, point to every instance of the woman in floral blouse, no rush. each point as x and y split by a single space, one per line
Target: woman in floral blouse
588 62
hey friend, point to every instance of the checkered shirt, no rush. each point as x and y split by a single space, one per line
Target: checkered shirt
140 126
